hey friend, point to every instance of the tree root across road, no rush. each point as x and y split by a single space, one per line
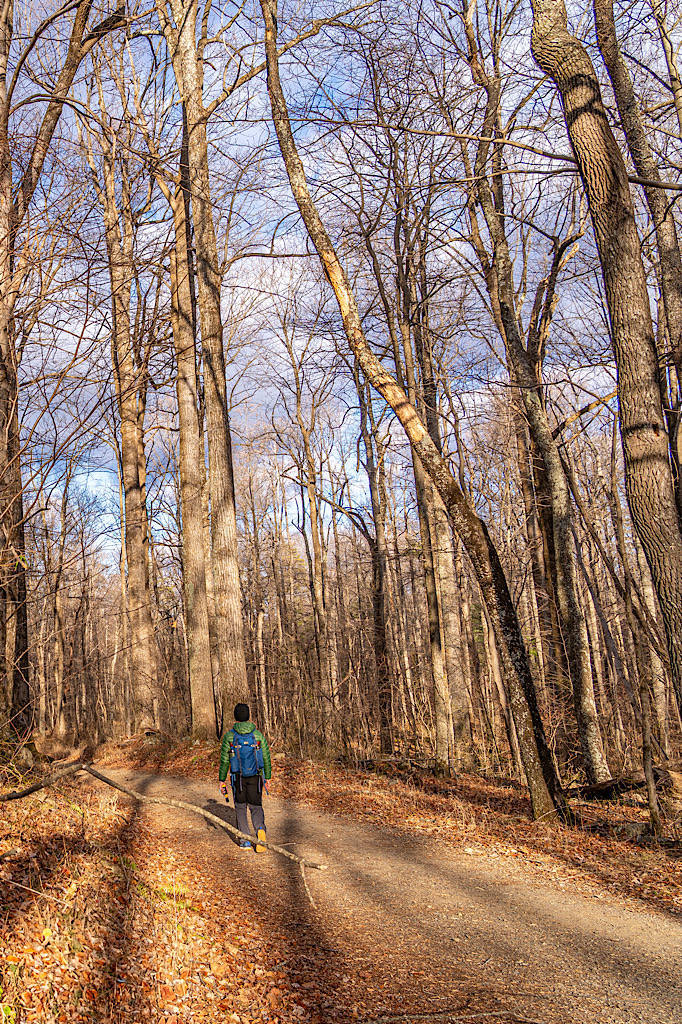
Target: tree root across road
433 931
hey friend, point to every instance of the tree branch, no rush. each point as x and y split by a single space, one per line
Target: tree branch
181 804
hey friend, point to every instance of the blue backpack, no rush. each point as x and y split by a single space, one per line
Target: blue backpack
246 755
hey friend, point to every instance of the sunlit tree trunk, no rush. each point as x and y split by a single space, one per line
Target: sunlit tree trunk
191 480
424 493
659 681
660 208
544 785
191 444
119 230
379 551
455 698
525 365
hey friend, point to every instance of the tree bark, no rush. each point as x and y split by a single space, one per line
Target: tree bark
191 479
407 318
119 230
455 698
642 663
659 681
525 369
379 551
661 211
667 242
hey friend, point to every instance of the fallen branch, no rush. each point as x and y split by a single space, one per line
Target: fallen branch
70 769
453 1016
305 882
37 892
666 779
183 806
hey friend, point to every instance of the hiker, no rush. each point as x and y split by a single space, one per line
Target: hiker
245 755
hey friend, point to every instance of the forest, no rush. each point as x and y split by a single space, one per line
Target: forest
340 359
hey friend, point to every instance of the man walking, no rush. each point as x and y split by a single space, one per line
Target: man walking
246 756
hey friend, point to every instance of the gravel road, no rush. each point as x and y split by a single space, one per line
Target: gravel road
460 925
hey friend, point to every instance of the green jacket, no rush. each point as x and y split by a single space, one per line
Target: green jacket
243 728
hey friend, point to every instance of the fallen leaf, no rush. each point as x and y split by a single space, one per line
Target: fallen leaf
166 993
274 997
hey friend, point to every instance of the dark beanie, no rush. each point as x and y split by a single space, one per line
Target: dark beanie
241 713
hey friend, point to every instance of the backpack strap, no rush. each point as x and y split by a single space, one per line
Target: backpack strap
259 770
235 746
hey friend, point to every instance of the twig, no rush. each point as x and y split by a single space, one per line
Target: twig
305 882
205 814
37 892
70 769
453 1016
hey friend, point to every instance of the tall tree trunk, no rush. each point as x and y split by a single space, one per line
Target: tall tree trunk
259 610
648 476
441 703
224 543
342 618
119 232
60 723
525 364
458 730
659 681
547 655
545 789
187 58
191 479
316 569
195 564
379 553
126 702
637 137
460 726
667 242
22 702
643 664
494 664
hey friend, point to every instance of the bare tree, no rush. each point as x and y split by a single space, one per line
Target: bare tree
651 493
125 197
15 256
544 785
186 36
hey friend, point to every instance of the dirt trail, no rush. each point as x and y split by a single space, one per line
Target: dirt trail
469 930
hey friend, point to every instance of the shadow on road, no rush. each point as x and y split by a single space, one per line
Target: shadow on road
87 919
223 811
